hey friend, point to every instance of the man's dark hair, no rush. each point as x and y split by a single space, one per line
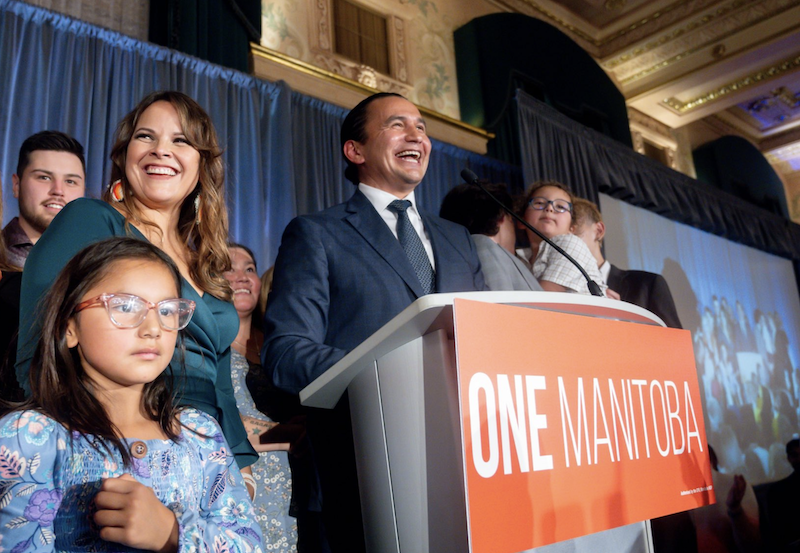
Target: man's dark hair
791 444
52 141
353 129
471 207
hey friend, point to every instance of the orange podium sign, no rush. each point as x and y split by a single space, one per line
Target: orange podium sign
572 425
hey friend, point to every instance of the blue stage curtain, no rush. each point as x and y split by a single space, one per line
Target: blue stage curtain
58 73
281 148
318 161
555 147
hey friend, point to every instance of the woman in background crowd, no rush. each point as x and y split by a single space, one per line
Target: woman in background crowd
271 473
167 188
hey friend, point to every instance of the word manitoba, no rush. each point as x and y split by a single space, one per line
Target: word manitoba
593 421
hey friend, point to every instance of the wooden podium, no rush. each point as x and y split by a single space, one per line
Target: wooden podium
407 422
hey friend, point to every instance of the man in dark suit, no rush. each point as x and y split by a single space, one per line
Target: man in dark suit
342 273
645 289
642 288
782 507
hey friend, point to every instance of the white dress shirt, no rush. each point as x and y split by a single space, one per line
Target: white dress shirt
380 200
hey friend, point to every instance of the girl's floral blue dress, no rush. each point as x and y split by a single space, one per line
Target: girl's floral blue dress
48 480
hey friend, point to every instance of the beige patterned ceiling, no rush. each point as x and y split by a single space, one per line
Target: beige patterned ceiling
731 66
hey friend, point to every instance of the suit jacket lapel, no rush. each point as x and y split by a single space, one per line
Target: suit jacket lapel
369 224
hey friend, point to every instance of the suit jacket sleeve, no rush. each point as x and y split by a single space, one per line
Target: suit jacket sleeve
645 289
458 267
296 319
500 269
662 304
494 273
478 283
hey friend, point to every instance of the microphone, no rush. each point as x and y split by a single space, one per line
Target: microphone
471 178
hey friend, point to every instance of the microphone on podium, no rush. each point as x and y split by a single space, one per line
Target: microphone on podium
471 178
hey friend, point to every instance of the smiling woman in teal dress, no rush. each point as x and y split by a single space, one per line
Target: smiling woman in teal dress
167 188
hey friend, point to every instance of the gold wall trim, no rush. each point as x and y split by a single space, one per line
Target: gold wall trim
322 74
746 82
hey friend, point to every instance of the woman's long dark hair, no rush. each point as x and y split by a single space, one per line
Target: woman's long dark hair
59 385
204 236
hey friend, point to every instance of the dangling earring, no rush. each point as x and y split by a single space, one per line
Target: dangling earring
198 211
117 190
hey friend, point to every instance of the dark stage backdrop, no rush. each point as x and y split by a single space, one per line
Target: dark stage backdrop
281 148
556 147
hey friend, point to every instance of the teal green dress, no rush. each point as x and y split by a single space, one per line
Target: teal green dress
214 325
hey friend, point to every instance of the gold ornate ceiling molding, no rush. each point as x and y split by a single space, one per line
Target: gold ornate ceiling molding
738 85
694 36
722 126
643 28
534 9
651 25
676 33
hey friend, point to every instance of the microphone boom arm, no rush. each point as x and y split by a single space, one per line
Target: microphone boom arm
471 178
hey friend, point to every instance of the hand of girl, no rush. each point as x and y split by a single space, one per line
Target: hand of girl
129 513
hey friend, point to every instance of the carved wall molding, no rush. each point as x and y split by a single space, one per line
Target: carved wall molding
399 49
644 128
360 73
639 118
638 141
671 158
322 47
321 22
